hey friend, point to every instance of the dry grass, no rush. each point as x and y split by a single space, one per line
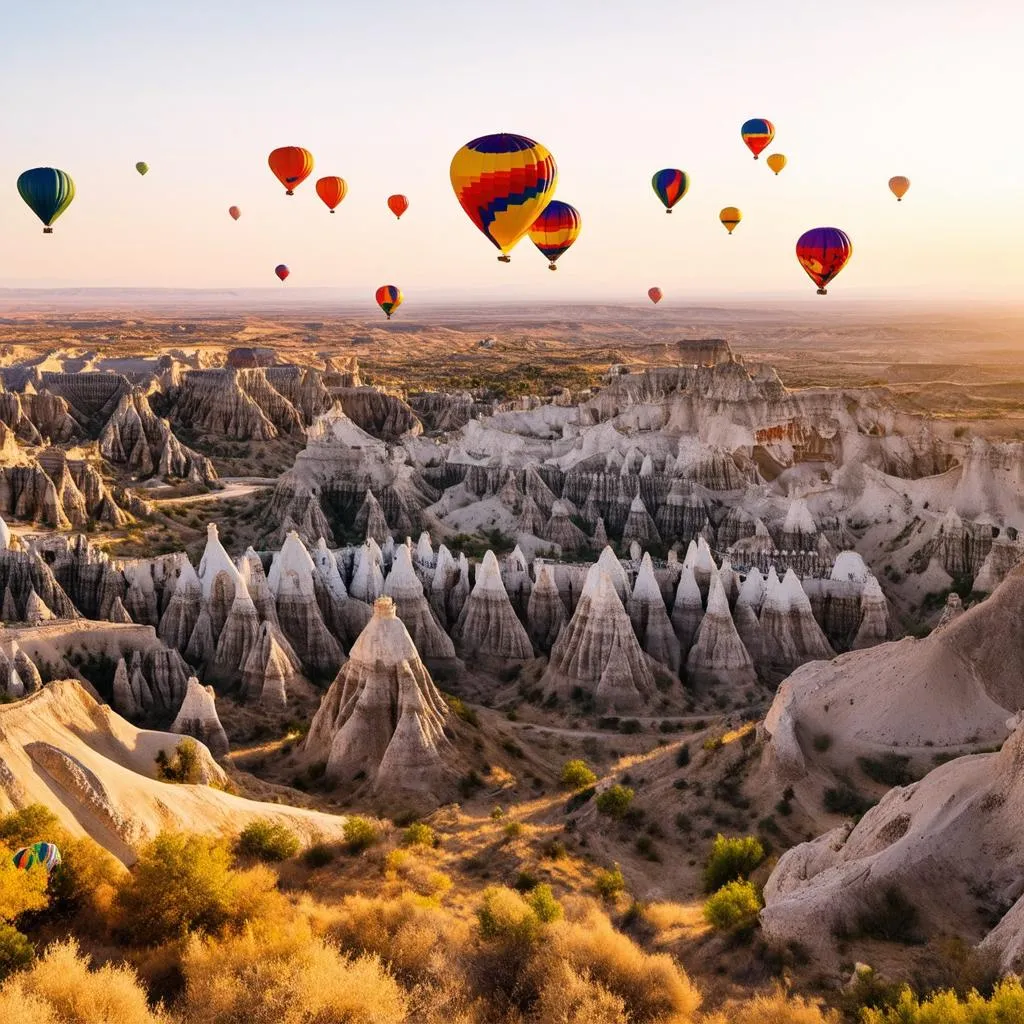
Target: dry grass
777 1008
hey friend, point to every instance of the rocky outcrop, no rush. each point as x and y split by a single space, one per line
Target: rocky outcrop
380 414
650 619
545 613
561 530
198 718
952 611
875 627
488 629
268 674
406 591
639 525
791 634
687 610
718 660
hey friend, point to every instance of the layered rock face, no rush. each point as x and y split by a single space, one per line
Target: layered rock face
488 628
718 661
406 591
650 618
381 726
545 613
198 718
380 414
598 653
791 634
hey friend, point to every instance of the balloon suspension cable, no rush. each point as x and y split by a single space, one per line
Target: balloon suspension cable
47 231
504 258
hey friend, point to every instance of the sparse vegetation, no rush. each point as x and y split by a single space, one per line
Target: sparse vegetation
734 907
1005 1004
268 841
731 860
419 834
615 801
577 774
610 884
184 766
842 799
887 917
360 834
888 770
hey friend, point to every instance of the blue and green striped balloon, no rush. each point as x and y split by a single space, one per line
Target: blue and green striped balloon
47 192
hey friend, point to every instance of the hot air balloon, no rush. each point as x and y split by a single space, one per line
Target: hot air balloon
398 205
282 271
291 165
235 212
823 252
47 192
670 185
38 853
389 298
504 182
898 186
142 167
555 230
654 294
757 133
730 217
776 162
331 191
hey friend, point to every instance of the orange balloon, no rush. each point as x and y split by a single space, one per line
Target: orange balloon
235 212
291 165
398 205
654 294
331 191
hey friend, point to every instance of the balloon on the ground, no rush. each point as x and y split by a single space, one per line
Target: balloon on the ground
654 294
670 185
823 252
730 217
282 271
291 165
47 192
776 161
757 133
389 298
235 212
142 167
899 186
45 854
504 182
398 204
331 190
555 230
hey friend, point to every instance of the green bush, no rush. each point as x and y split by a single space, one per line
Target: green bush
504 914
610 884
513 829
184 767
577 774
615 801
31 824
268 840
543 903
730 860
844 800
888 917
822 742
419 834
319 855
734 908
888 770
360 834
1005 1005
683 756
15 950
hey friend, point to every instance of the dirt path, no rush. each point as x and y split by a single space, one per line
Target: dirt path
234 487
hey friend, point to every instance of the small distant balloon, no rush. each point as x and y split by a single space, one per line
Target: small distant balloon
503 182
389 298
899 186
757 133
398 204
823 252
47 192
282 271
331 190
670 185
730 217
291 165
142 167
776 162
555 230
654 294
45 854
235 212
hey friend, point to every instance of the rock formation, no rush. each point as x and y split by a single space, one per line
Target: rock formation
405 590
545 613
488 629
640 527
718 660
791 634
650 619
198 718
687 610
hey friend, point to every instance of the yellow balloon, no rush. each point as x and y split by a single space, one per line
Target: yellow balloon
898 186
776 162
730 217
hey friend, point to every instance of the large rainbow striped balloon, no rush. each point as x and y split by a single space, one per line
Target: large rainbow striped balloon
823 252
46 854
504 182
670 185
757 133
555 230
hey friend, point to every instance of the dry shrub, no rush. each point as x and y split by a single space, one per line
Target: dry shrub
60 989
777 1008
568 997
653 988
269 975
20 890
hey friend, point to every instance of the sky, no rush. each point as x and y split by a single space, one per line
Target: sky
384 95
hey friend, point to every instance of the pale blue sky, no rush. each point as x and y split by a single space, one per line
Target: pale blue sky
385 94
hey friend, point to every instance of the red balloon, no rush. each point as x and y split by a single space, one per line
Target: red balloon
398 205
282 271
654 295
235 212
823 252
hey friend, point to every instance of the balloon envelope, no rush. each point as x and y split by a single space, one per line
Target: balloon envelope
389 298
823 252
504 182
730 217
654 294
235 212
331 190
46 854
776 162
291 165
142 167
555 230
899 186
670 185
757 133
47 192
398 204
282 271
